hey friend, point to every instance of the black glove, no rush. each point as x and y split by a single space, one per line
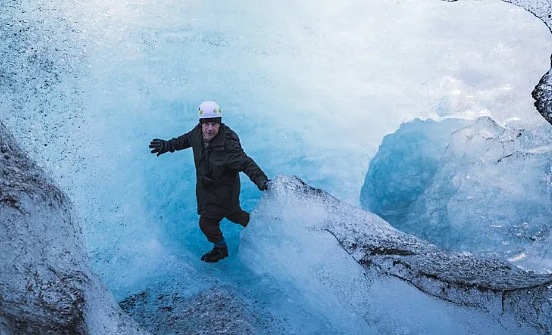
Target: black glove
264 185
158 146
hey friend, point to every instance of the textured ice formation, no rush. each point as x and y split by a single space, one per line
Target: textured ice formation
465 279
46 285
404 165
488 191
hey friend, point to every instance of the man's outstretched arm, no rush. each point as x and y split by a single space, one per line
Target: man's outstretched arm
159 146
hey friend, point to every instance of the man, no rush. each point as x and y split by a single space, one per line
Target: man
218 158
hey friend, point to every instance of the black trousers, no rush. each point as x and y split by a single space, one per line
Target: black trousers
211 226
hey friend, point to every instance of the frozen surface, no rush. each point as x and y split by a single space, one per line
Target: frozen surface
483 187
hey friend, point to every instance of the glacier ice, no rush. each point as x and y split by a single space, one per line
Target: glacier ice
84 83
482 187
405 163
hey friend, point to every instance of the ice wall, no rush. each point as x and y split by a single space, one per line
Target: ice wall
272 78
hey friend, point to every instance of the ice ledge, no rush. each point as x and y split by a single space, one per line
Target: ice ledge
462 278
46 285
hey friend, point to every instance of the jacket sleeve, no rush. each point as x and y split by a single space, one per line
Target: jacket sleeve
238 160
179 143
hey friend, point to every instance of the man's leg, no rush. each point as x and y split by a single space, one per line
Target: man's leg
211 228
240 217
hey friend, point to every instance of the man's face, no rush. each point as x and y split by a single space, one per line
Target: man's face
210 129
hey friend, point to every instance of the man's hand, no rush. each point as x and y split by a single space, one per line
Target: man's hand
158 146
265 185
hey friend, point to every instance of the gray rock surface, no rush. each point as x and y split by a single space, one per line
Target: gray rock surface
209 312
46 285
461 278
170 310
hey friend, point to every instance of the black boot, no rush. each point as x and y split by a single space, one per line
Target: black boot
215 255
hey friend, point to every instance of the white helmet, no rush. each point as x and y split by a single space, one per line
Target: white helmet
209 109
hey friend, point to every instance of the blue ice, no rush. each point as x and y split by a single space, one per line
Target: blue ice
475 186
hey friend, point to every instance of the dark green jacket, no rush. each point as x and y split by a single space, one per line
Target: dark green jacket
217 170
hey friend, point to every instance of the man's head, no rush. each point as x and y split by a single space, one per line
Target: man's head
210 117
